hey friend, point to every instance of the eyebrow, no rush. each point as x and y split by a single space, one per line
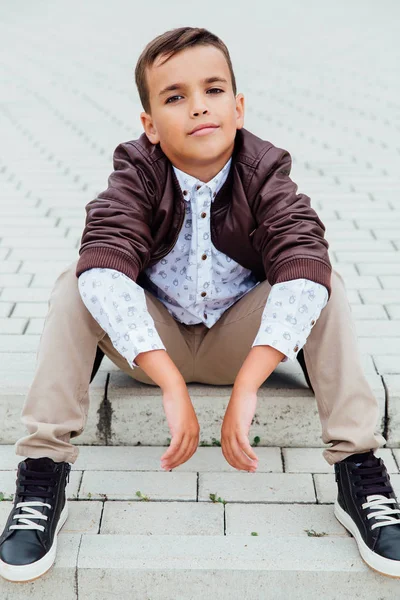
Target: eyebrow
178 86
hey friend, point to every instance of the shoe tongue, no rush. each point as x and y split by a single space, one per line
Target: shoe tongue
44 464
40 464
370 461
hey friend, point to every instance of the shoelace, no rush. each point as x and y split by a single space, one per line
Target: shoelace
376 500
32 513
44 479
378 503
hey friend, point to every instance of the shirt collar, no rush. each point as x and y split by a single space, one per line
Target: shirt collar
189 183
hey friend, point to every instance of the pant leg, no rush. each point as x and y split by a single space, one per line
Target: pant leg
347 407
57 403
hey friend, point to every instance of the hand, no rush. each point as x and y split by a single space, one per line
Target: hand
235 430
183 425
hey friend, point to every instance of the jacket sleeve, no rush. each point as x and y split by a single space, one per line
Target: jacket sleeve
117 231
289 233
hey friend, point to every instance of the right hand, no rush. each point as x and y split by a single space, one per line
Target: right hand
183 424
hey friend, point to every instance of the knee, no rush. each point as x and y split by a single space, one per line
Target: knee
66 284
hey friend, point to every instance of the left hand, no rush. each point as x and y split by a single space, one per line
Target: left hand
235 430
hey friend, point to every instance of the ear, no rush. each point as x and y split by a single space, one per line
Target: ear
239 111
149 128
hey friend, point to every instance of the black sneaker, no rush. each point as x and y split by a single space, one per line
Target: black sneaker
28 543
367 507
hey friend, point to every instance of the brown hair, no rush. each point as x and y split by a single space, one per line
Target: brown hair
171 42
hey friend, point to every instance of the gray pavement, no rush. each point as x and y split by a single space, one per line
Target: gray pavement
322 82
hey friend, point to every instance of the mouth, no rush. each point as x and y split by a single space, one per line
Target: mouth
204 131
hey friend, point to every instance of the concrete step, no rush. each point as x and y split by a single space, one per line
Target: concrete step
125 412
203 529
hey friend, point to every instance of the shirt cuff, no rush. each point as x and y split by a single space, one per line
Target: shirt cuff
291 311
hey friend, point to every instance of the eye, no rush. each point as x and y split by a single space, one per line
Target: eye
172 97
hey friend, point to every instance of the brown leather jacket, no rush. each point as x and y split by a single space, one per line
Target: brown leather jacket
257 218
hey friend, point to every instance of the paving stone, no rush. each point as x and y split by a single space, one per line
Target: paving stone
163 518
19 343
35 326
385 296
311 460
12 326
168 485
67 254
379 269
385 233
379 345
367 257
388 281
360 245
148 458
26 294
368 311
37 232
257 487
145 560
278 520
377 328
5 309
393 311
387 364
30 309
29 243
9 267
353 296
44 266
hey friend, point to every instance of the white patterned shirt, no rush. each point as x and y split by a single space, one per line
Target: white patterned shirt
197 283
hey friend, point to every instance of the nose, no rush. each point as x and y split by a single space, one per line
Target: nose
198 105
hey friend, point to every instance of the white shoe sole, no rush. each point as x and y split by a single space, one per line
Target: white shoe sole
384 566
25 573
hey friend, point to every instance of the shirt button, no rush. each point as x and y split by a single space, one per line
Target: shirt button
205 315
295 348
204 256
198 187
313 322
203 294
185 192
203 215
214 194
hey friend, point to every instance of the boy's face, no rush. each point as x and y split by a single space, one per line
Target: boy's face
175 113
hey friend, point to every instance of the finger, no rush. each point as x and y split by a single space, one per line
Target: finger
188 446
173 447
228 453
245 446
189 449
241 460
181 452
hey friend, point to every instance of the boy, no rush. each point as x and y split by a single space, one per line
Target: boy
198 263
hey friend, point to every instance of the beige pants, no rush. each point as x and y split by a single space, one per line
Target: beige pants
56 406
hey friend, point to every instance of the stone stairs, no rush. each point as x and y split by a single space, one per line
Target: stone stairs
201 530
140 532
